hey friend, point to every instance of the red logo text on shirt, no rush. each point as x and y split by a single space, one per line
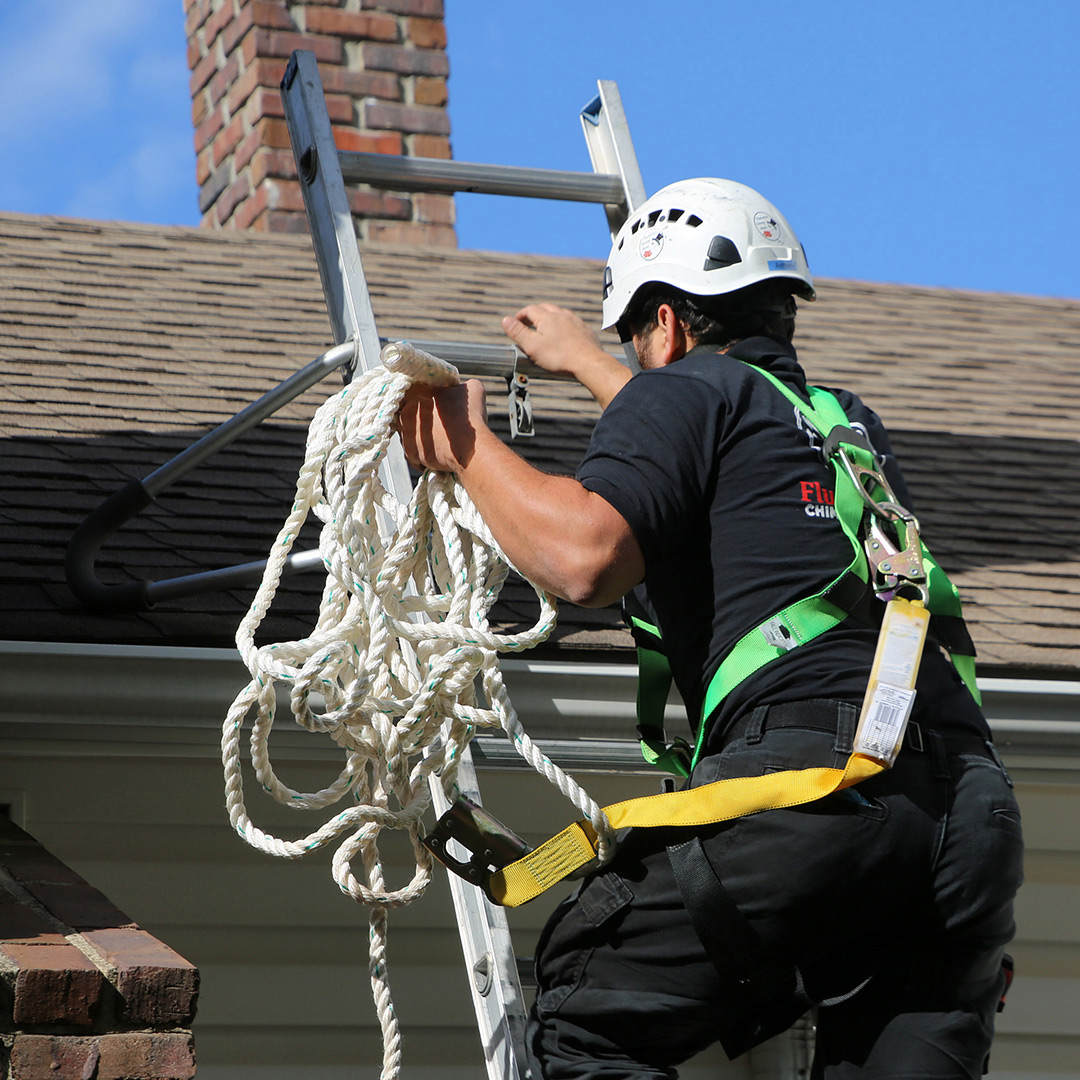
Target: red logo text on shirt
818 500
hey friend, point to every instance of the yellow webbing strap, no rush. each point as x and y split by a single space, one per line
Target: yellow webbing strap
721 800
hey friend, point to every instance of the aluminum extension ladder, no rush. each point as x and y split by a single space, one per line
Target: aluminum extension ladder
615 183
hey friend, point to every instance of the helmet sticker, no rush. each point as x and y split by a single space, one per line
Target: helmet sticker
651 245
767 225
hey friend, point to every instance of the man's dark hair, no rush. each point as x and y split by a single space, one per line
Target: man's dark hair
767 308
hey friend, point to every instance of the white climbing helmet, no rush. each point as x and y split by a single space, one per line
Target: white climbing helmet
706 237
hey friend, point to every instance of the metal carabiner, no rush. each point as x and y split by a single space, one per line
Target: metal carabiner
897 568
858 473
894 568
519 405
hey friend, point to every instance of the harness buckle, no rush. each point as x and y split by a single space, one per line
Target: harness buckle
492 844
778 634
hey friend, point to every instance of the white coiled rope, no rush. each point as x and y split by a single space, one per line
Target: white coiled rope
389 670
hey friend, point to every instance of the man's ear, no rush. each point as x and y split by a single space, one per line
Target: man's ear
676 341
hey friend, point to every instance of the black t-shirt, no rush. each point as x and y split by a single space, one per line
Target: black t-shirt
722 483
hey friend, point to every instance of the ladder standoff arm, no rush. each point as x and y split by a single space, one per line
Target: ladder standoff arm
136 495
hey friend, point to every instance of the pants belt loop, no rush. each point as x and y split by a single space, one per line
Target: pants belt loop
756 725
913 738
991 749
933 742
847 719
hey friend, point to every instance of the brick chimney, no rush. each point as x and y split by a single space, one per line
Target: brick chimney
383 65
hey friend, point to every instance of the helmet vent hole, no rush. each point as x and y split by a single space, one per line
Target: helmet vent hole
622 241
693 221
674 215
634 228
654 217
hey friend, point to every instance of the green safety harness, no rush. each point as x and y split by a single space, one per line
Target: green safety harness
863 501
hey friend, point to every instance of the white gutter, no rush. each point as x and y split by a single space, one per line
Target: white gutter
118 698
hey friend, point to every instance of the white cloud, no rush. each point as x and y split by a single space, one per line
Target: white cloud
64 60
98 115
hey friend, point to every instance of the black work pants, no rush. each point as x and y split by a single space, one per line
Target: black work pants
888 906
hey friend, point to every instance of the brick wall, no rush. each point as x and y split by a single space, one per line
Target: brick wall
84 991
384 69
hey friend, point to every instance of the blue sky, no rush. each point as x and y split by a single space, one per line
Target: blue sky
931 143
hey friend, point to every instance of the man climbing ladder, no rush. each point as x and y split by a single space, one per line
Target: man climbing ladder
887 904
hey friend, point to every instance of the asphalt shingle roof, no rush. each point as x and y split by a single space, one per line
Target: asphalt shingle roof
121 344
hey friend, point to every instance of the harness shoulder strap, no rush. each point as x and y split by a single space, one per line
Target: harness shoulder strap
812 616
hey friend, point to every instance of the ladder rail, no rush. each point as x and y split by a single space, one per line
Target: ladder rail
611 150
485 935
348 302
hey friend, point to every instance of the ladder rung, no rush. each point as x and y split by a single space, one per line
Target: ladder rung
491 360
584 755
396 173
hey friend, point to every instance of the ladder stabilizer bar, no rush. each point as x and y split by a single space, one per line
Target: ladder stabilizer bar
137 495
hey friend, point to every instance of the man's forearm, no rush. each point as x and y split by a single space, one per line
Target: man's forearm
560 535
603 376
